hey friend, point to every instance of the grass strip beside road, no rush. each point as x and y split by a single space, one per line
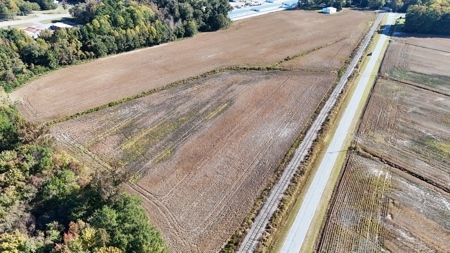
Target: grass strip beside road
319 217
315 228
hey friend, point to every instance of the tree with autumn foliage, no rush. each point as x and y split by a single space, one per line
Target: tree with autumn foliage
49 202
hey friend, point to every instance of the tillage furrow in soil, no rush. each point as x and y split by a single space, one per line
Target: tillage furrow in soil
206 154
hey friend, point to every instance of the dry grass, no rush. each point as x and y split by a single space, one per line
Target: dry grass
260 41
205 150
394 192
410 132
377 208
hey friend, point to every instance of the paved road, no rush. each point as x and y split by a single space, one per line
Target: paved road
35 21
297 233
270 206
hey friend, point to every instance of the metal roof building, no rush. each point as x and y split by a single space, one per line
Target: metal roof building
329 10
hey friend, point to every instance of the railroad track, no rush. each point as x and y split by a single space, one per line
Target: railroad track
270 206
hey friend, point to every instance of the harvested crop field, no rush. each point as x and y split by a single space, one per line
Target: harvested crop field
422 61
410 127
394 192
330 56
205 149
378 208
260 41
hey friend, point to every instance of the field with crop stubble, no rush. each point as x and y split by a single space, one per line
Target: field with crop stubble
201 124
394 193
204 150
259 41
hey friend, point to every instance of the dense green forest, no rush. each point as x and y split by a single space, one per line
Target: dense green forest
11 8
431 17
108 27
49 202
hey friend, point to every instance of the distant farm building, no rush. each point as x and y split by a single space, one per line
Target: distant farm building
59 25
329 10
292 4
32 31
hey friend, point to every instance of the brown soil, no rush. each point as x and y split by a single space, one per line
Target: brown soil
332 56
377 208
261 41
422 61
205 149
395 194
410 127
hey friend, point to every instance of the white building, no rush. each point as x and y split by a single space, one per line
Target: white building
329 10
32 31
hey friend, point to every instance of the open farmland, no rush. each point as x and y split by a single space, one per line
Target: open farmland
394 192
205 149
328 57
260 41
378 208
410 127
421 61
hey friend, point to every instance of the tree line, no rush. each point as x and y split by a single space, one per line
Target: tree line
49 202
431 17
108 27
11 8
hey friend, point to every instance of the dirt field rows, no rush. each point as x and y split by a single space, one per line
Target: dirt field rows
422 61
411 127
332 55
378 208
394 194
260 41
202 152
205 149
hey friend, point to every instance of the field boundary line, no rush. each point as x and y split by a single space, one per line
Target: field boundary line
364 151
440 50
274 67
271 205
415 85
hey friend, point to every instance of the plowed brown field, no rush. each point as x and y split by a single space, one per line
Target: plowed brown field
331 56
378 208
411 127
394 193
260 41
205 149
422 61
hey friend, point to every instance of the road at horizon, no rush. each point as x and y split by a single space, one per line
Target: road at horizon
35 21
303 220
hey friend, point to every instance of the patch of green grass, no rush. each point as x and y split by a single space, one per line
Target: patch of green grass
58 10
49 21
399 24
438 82
139 143
217 111
433 148
165 155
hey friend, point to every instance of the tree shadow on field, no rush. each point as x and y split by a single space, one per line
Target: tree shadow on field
423 36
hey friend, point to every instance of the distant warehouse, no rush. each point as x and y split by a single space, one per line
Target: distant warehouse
59 25
329 10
